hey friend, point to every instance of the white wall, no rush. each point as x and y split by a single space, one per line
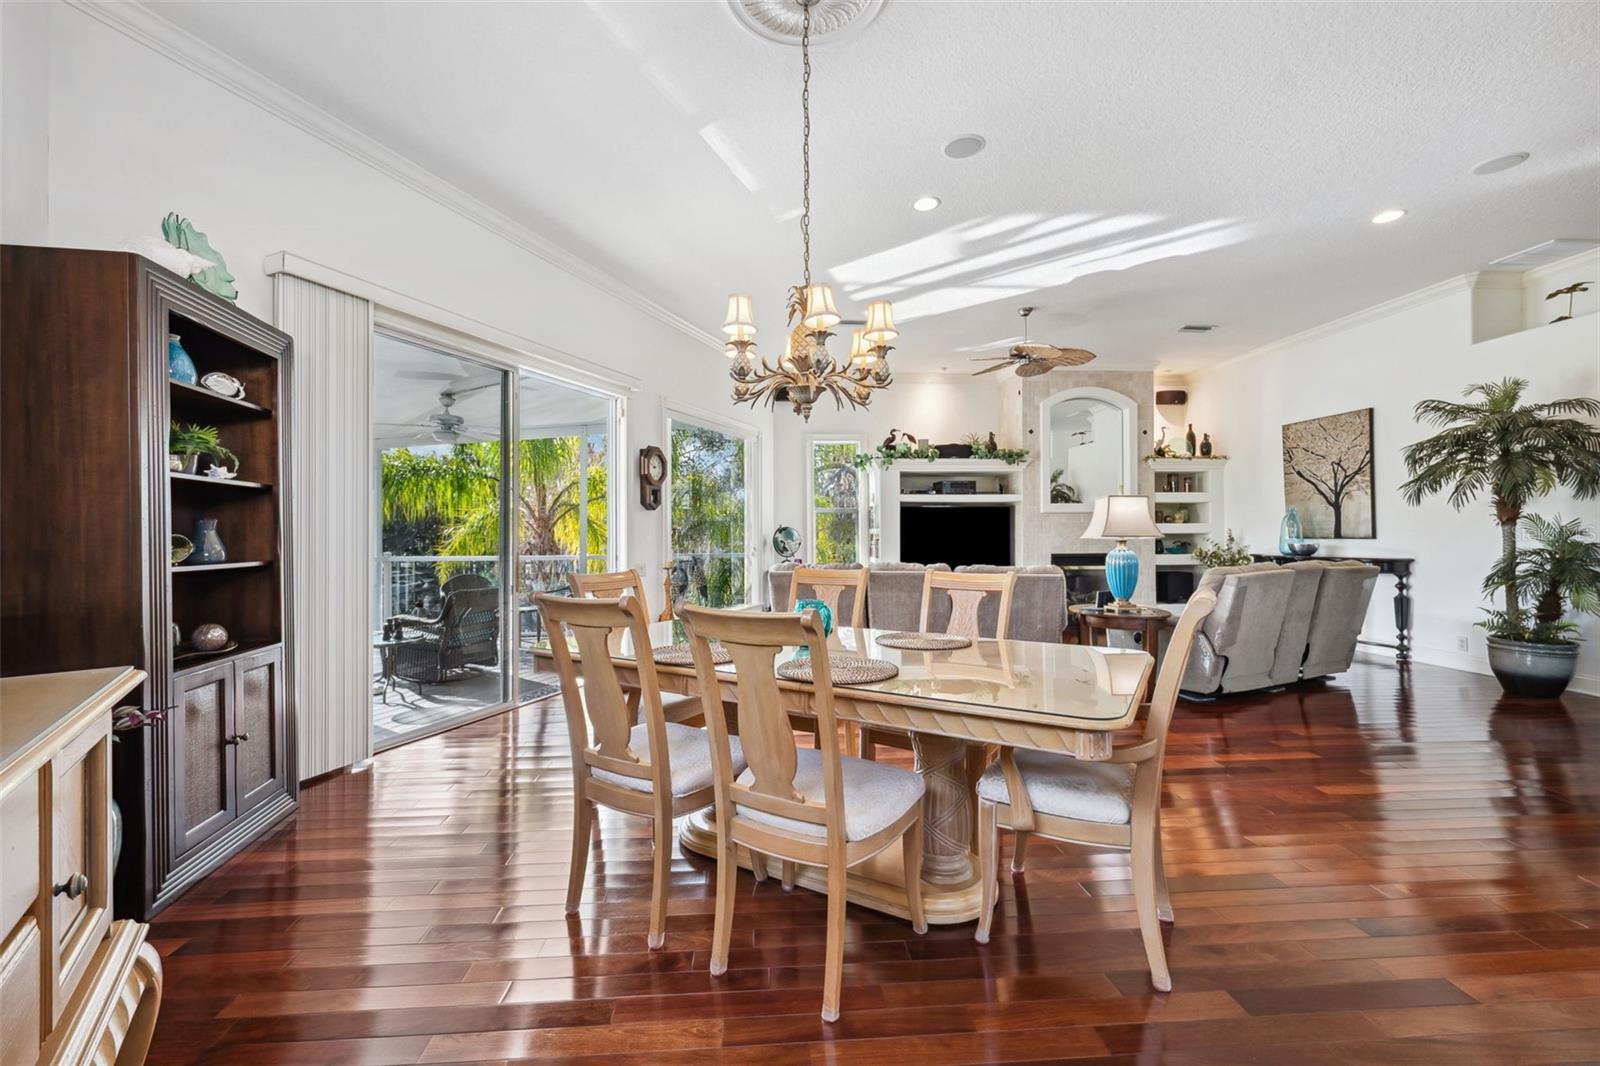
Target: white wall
134 131
1389 358
937 408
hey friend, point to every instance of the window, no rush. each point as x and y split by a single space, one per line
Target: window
835 502
709 482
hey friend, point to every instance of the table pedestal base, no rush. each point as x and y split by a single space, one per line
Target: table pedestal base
878 883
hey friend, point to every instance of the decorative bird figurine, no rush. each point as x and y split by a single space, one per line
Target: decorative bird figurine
888 442
994 445
1569 292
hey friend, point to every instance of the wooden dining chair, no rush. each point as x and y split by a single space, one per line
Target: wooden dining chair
798 805
965 594
1111 804
616 583
656 769
829 586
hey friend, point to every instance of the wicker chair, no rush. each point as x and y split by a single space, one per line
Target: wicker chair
466 633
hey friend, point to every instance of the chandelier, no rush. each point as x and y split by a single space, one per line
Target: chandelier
806 372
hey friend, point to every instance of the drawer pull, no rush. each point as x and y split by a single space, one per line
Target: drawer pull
72 887
238 738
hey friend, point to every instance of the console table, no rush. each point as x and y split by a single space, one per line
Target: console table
1397 567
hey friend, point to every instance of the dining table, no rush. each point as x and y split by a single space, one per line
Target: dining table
1068 699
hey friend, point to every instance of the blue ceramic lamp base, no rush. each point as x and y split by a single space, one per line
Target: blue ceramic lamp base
1122 576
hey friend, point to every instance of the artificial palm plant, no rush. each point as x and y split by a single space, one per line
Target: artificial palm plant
1562 570
1496 445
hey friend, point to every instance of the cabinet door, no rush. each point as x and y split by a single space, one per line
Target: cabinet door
80 860
259 762
202 798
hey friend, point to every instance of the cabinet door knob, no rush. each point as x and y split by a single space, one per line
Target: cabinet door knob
238 738
72 887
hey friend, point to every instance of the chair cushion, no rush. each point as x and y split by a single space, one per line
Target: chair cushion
875 795
1067 787
688 753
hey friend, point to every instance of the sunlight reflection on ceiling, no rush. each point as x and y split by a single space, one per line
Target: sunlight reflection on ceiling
1006 256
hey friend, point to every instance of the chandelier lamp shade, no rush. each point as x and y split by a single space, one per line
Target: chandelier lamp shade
1122 518
806 372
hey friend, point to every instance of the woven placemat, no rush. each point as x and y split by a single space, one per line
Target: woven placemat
680 655
847 670
924 641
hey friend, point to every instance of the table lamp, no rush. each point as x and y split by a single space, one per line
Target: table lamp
1119 518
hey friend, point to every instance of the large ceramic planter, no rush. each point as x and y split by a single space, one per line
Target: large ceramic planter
1538 670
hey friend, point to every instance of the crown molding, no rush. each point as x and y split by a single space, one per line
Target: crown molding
142 25
1462 283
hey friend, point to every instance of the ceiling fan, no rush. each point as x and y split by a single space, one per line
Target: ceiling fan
1031 360
444 425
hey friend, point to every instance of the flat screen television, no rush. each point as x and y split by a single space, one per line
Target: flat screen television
958 534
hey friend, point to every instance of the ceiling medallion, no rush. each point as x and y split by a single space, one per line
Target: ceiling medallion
807 373
784 20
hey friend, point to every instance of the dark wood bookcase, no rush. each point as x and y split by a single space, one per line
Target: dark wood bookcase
87 510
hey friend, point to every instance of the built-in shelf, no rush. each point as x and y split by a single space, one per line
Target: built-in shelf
199 398
1182 497
217 482
960 497
211 568
1176 559
192 662
1184 527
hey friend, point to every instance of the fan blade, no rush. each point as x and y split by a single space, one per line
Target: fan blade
406 425
1071 357
1033 368
990 358
992 369
429 375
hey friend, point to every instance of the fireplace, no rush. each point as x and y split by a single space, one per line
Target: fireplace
1086 575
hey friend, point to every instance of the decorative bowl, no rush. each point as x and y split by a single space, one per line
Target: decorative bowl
1304 549
224 385
182 548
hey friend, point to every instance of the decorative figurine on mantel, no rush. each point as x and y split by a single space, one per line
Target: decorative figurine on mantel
1188 441
1205 447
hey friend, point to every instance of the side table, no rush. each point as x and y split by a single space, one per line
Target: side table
1148 622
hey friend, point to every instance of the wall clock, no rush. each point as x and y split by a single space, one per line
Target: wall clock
652 472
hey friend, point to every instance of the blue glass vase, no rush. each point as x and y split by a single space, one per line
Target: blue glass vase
1290 534
824 612
179 366
207 544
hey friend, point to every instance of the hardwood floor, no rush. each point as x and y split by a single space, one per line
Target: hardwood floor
1389 868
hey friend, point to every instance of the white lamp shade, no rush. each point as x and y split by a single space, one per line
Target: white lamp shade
740 324
787 362
1121 517
820 312
880 327
860 350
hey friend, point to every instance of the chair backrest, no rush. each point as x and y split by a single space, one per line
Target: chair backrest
464 583
610 586
843 590
754 641
1340 612
470 617
1165 697
964 593
599 721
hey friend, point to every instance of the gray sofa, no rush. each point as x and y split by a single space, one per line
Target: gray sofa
894 598
1275 625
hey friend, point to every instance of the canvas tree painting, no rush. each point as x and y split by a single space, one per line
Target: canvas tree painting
1327 475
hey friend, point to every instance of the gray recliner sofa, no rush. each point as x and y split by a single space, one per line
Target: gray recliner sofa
1237 646
1275 625
894 598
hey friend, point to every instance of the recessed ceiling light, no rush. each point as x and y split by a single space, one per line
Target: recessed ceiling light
965 146
1501 162
1383 218
925 203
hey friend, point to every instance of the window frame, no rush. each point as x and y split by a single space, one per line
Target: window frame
812 441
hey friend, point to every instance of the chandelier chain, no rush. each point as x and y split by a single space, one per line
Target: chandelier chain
805 140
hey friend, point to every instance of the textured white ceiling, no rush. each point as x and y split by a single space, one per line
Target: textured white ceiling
1149 165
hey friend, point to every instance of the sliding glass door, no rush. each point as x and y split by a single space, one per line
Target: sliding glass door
709 480
478 464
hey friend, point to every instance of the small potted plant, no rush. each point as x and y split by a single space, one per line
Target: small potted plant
1513 453
1231 552
187 443
1532 650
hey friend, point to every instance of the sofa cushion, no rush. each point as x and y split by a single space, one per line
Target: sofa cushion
1341 610
894 594
1038 602
1291 650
